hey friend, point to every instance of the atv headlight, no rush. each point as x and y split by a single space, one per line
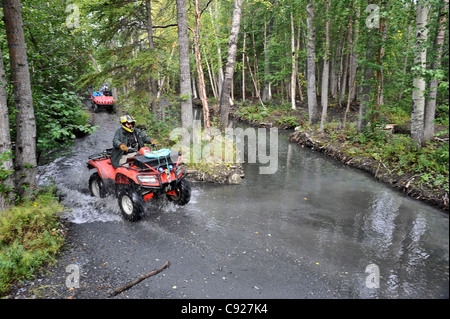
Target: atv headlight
147 179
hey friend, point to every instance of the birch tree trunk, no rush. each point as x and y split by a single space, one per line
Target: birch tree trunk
243 67
231 61
294 55
266 96
296 63
420 57
325 73
25 153
430 109
185 75
5 143
311 73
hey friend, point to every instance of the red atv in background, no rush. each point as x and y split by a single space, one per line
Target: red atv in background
103 99
147 175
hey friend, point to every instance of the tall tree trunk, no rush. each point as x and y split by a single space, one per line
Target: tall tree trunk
151 46
420 57
430 109
231 61
6 164
325 73
25 153
201 78
266 96
297 73
243 67
354 56
294 59
380 57
185 75
311 62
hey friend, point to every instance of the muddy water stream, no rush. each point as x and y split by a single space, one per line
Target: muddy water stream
314 218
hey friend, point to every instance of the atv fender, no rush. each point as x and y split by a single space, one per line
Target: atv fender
104 168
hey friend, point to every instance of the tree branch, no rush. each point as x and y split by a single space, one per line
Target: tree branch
165 26
138 280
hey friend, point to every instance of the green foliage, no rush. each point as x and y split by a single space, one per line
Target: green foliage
288 120
59 118
30 236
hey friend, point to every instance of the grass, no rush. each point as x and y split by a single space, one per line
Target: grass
30 237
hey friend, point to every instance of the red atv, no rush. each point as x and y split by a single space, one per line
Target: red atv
103 99
147 175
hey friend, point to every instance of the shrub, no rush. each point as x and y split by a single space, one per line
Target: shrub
30 236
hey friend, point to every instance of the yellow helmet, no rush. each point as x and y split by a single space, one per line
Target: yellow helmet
127 119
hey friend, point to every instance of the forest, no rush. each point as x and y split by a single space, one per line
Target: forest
364 79
345 68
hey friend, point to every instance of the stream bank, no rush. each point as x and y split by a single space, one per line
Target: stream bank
407 183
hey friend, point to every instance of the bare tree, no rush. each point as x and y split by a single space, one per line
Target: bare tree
224 103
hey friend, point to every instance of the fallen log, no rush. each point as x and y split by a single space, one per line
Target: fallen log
138 280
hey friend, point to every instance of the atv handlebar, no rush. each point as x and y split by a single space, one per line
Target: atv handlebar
134 150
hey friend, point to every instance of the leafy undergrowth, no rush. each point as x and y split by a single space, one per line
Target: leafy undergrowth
30 237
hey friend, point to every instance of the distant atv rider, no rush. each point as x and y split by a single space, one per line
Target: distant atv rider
128 136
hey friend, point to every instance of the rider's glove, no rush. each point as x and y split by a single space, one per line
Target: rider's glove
123 147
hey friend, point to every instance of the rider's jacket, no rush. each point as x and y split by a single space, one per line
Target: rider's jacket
127 138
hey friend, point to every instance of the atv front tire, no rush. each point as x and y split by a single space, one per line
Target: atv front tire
183 193
96 186
131 203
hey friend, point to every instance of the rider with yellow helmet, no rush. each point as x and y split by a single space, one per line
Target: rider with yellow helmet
126 137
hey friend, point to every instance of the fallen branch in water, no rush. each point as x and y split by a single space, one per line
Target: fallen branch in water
131 284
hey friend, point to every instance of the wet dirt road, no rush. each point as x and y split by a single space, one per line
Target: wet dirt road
311 230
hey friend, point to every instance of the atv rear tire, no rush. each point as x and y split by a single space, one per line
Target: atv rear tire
131 203
183 193
96 186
